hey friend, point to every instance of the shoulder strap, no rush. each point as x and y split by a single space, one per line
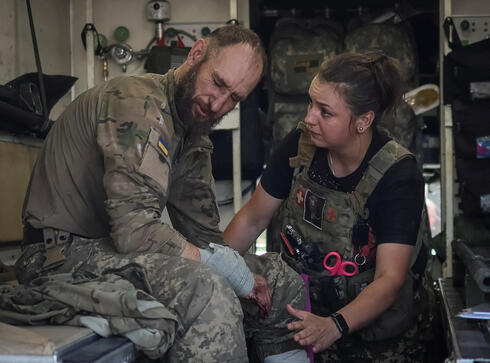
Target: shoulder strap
306 149
419 258
380 163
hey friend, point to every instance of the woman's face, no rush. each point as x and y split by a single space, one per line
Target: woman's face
329 117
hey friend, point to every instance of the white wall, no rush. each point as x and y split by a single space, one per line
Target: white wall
472 7
51 23
109 14
7 41
59 23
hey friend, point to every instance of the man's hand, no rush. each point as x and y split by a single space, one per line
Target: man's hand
262 295
313 329
228 263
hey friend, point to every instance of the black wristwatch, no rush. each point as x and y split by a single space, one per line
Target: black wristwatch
340 323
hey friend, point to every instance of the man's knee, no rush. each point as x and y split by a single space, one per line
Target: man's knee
189 288
213 295
212 319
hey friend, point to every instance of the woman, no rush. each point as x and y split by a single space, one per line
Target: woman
343 187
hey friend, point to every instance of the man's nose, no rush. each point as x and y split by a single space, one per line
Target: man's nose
219 101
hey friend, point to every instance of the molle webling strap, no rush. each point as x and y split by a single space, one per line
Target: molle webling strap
380 163
306 149
385 158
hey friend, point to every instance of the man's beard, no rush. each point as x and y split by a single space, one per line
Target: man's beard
185 90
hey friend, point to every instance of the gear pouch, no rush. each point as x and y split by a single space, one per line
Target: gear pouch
396 319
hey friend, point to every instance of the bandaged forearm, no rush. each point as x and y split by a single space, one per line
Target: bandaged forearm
228 263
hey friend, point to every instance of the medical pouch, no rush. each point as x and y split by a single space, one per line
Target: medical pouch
360 233
475 197
471 129
396 319
474 185
464 66
473 171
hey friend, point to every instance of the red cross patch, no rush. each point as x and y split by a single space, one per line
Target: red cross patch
300 196
331 215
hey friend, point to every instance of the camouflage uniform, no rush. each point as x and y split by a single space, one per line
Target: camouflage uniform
395 40
393 335
114 160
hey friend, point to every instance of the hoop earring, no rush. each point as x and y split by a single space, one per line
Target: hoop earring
360 129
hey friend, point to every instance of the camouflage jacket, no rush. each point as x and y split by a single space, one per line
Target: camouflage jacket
108 304
115 159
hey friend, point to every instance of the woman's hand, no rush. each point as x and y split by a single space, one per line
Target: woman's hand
262 295
313 329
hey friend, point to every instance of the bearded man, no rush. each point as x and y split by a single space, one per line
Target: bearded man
119 155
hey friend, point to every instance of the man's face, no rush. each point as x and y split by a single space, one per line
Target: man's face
213 87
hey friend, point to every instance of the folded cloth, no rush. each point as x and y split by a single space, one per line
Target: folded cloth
108 304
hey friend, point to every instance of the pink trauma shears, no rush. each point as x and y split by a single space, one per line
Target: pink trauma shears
346 268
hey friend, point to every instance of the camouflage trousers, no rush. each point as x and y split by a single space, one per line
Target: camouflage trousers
214 322
410 346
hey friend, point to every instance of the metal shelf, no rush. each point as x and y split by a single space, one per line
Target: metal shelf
466 339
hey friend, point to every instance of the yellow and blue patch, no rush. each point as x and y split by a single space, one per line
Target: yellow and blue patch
162 146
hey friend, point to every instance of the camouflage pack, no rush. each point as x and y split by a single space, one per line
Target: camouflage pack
297 49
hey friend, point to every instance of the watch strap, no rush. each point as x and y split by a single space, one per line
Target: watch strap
340 323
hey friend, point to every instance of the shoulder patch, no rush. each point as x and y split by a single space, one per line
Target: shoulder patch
162 146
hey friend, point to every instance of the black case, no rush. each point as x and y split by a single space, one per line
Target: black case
471 120
464 65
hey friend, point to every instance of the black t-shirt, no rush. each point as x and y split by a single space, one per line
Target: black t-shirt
394 206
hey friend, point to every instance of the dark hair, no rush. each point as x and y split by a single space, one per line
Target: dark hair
370 81
235 34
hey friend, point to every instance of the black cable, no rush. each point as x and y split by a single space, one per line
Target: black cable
39 69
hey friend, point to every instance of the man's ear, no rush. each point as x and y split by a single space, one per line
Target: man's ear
197 52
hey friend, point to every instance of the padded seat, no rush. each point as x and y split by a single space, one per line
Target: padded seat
40 344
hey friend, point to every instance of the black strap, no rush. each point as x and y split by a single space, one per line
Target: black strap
418 267
46 122
91 27
32 235
451 33
340 323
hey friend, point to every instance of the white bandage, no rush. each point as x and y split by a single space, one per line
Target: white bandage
228 263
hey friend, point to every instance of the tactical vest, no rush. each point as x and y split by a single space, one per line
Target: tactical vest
326 218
